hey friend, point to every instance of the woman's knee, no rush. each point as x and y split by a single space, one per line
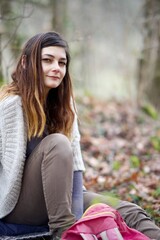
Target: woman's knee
57 145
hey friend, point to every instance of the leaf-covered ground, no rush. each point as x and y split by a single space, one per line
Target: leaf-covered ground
121 149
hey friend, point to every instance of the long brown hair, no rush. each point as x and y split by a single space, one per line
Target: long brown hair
55 112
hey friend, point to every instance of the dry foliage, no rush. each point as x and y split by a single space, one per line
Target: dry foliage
121 151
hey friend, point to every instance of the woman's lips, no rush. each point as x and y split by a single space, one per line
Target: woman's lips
54 77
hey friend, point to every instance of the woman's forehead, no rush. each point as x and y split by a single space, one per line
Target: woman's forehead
52 50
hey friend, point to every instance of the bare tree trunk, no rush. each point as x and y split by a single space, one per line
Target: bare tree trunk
4 9
1 71
59 19
150 62
9 37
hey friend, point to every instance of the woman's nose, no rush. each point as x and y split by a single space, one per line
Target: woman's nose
55 66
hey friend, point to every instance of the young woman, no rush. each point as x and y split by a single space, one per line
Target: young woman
40 158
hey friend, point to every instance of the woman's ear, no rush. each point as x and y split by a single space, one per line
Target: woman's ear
23 61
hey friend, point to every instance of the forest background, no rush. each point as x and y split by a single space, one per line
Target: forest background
115 50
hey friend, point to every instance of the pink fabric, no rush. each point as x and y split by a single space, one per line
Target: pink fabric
101 218
112 234
88 237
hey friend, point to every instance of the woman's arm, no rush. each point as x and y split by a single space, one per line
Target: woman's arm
75 143
13 138
77 195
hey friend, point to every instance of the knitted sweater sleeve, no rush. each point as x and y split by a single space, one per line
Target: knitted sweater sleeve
75 143
13 138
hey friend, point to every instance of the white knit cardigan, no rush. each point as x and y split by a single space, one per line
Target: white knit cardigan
13 142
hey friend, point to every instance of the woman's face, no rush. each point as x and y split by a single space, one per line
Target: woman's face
54 66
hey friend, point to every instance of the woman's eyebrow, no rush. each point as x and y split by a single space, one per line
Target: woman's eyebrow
50 55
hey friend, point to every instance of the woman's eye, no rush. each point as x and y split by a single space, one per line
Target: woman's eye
46 60
62 63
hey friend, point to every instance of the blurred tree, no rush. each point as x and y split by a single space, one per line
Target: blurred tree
12 14
4 9
10 22
149 64
59 10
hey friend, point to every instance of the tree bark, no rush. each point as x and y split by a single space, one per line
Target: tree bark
149 64
4 9
59 19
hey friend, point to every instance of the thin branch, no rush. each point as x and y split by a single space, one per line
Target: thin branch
18 17
16 28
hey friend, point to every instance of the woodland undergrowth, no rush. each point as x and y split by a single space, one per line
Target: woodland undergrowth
121 150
